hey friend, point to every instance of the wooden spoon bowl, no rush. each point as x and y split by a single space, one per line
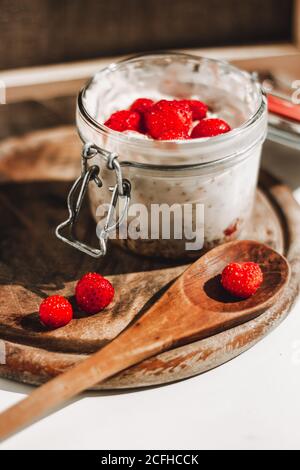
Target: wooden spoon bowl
274 267
197 306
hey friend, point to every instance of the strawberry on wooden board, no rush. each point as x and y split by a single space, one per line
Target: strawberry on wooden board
55 311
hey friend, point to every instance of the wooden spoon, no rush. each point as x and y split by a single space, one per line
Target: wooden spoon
194 307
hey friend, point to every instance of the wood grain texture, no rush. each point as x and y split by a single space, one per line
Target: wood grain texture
27 116
35 172
52 31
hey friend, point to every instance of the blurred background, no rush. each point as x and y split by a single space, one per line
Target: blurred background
49 48
39 32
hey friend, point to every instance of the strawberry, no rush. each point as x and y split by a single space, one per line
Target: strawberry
55 311
141 104
210 128
93 293
165 116
173 135
124 120
242 279
198 108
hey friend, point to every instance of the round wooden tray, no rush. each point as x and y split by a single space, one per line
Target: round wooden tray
35 173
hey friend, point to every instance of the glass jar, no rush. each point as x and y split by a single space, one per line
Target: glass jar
213 179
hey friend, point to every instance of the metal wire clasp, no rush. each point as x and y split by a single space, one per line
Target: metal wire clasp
92 174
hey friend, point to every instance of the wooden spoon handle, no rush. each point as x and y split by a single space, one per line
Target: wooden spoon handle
113 358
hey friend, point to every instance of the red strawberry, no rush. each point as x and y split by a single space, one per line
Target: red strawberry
198 108
124 120
242 279
210 128
55 311
93 293
173 135
141 104
165 116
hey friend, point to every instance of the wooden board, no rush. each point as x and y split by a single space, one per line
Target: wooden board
35 174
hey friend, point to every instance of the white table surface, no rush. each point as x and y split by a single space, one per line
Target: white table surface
252 402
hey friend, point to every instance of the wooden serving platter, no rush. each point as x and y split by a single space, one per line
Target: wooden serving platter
35 175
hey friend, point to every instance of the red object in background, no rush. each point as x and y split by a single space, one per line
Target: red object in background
283 108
